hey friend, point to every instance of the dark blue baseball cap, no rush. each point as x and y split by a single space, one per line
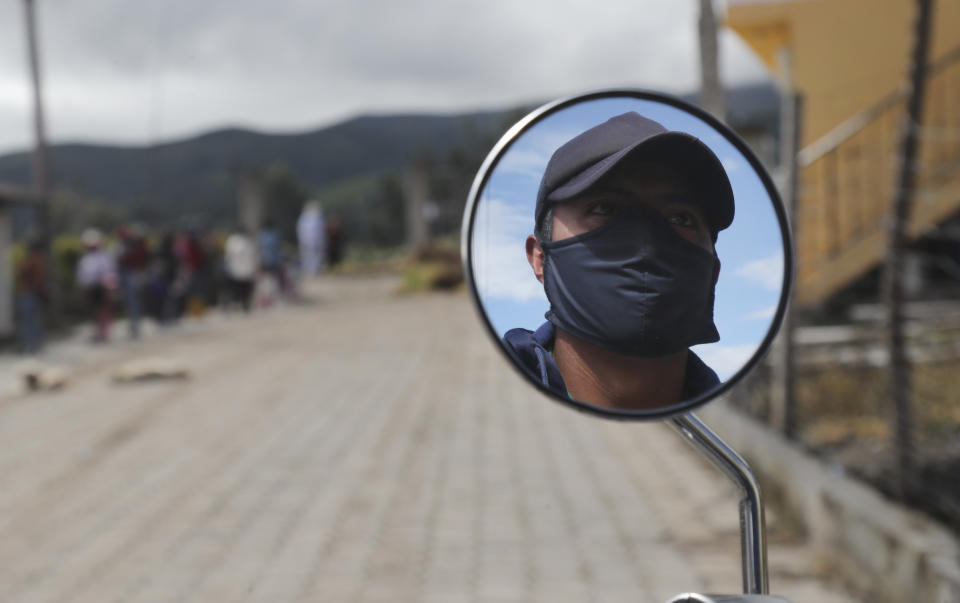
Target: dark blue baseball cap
586 158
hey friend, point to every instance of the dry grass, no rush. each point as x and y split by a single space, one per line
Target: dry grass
435 268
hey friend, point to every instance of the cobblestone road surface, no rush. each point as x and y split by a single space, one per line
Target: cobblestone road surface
361 448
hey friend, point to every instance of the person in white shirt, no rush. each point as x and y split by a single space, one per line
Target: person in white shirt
240 261
97 278
311 234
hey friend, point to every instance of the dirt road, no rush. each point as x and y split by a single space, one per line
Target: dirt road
365 447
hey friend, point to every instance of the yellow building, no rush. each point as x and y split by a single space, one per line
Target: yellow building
849 59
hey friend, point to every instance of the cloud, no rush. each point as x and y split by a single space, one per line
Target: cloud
499 259
766 271
525 162
731 164
762 314
308 63
529 157
725 360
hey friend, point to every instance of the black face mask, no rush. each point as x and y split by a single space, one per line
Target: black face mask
632 286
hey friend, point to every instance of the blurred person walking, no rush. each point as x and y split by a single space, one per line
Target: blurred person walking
31 286
334 241
271 263
211 271
97 279
240 264
311 235
163 272
189 285
133 261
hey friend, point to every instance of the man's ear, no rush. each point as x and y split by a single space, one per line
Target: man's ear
535 256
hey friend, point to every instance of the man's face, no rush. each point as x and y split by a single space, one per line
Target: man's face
656 185
634 288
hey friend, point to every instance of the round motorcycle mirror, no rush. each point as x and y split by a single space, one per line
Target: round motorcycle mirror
628 252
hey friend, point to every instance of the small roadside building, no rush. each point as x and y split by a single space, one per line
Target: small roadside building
849 61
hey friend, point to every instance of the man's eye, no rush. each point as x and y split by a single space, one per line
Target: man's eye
682 217
602 208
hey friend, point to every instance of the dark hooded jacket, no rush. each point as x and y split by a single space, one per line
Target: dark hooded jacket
532 351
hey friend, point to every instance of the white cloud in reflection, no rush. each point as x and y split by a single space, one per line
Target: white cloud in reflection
731 163
527 162
499 259
766 272
762 314
538 145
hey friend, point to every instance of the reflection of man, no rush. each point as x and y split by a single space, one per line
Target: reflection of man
626 219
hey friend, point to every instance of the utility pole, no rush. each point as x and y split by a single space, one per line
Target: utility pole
899 219
416 189
41 166
711 92
782 400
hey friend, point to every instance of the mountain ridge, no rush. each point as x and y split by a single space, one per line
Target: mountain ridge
202 171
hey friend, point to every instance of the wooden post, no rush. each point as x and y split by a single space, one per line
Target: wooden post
711 91
899 218
782 402
41 167
250 202
415 191
7 326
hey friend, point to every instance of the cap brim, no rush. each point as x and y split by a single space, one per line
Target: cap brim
674 148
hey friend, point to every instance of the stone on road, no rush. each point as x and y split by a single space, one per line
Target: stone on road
366 447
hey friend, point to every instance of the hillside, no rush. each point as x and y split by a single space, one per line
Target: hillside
204 168
199 175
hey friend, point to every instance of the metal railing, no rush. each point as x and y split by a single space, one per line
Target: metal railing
847 178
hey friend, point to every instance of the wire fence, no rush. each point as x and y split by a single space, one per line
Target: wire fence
843 405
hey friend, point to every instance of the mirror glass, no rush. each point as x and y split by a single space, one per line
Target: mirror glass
659 271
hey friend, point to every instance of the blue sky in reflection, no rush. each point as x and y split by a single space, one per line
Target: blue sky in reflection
750 250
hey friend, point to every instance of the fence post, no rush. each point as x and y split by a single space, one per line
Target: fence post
415 191
782 402
711 90
7 325
899 218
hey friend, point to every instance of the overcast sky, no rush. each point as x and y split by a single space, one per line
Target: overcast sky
135 72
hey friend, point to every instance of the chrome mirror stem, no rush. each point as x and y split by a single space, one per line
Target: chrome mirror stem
753 541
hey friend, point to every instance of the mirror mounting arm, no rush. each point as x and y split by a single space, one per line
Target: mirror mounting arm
753 541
